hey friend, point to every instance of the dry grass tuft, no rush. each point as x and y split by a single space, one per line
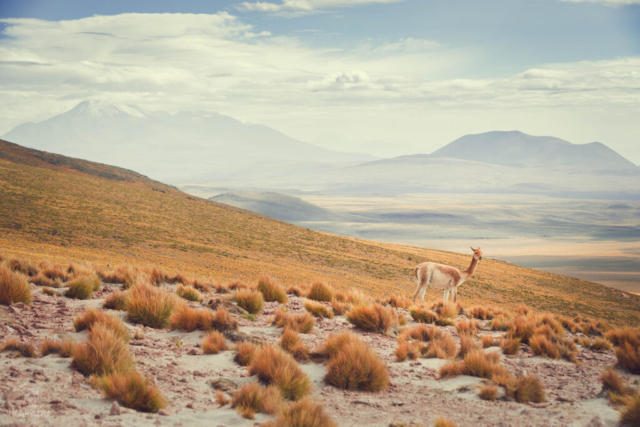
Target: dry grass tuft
251 398
527 389
408 349
482 312
221 398
399 301
189 293
214 343
613 383
356 297
25 267
596 327
375 318
54 272
250 300
468 326
12 344
271 289
304 413
510 345
63 348
487 341
600 344
489 392
83 286
116 301
133 391
627 343
500 323
49 291
320 291
245 352
353 365
442 346
150 306
276 367
467 344
422 315
444 422
445 309
103 353
338 307
318 309
302 323
201 285
14 287
295 290
292 344
630 414
94 316
477 364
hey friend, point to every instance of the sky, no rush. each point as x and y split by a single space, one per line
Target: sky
388 77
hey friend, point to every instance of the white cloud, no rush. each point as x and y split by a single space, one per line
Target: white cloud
304 5
395 90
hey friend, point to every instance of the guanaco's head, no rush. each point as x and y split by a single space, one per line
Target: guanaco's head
477 254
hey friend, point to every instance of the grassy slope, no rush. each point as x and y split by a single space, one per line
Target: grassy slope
61 208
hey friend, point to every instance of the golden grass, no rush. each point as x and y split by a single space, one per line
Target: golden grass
627 343
132 390
245 352
553 347
320 291
397 301
103 353
189 293
116 301
422 314
49 291
82 287
13 287
408 349
214 343
304 413
53 272
613 383
475 363
442 346
24 349
488 392
250 300
527 389
302 323
487 341
150 306
252 398
276 367
64 348
292 344
318 309
201 285
445 309
630 414
375 318
271 289
296 290
467 344
467 326
353 365
23 266
481 312
510 345
500 323
221 398
444 422
338 307
93 316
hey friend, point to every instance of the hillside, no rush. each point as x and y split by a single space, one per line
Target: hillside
62 208
187 145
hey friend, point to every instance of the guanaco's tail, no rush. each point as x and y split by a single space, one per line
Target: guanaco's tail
415 272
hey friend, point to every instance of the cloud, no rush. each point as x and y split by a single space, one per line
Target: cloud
304 6
405 89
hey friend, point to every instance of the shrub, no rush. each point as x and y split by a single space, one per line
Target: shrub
189 293
221 289
500 323
510 345
375 318
126 275
613 383
63 348
54 272
467 344
248 316
338 307
318 309
481 312
356 297
444 422
13 287
626 334
553 347
189 319
214 343
596 327
251 398
234 286
133 391
523 328
630 414
12 344
292 344
335 342
271 289
221 398
320 291
468 326
116 301
442 346
93 316
399 301
420 332
245 352
103 353
304 413
487 341
355 366
23 266
445 309
489 392
628 357
150 306
49 291
408 349
156 276
600 344
422 315
295 290
477 364
82 287
527 389
275 367
250 300
302 323
567 323
201 285
452 369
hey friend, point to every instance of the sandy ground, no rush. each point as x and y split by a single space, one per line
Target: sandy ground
46 391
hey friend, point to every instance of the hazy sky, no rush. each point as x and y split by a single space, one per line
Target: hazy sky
391 76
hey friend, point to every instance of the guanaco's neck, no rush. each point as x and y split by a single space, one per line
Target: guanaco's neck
472 268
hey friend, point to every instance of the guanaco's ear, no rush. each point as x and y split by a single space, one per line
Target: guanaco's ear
472 248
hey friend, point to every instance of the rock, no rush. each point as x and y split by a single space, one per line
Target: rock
164 412
236 336
214 303
192 352
115 409
230 385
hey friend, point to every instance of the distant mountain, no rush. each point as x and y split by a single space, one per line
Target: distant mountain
279 206
518 149
186 146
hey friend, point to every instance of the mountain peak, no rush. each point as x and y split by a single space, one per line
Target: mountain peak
97 108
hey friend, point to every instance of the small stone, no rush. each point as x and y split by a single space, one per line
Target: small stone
97 416
164 412
115 409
